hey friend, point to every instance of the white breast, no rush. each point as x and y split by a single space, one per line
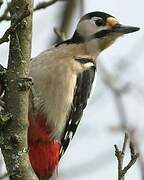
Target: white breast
54 84
54 73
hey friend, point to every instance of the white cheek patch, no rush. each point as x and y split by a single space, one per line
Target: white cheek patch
88 27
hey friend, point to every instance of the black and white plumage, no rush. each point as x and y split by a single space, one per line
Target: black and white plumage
82 93
63 78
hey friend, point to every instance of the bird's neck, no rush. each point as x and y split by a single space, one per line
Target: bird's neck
92 48
89 49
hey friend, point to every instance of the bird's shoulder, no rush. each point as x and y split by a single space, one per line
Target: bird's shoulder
62 57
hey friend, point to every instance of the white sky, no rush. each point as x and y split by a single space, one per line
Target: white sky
91 153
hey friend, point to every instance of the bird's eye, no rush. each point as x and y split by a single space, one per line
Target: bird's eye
100 22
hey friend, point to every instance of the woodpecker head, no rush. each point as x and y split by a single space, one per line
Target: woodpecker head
100 28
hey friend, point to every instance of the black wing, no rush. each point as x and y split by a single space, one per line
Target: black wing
81 95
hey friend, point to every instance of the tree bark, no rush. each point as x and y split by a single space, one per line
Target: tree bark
14 146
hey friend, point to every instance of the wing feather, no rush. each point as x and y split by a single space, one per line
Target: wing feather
81 95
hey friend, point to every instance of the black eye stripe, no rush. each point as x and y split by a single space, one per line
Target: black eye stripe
103 33
99 22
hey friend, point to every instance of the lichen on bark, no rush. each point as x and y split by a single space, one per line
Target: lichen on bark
14 146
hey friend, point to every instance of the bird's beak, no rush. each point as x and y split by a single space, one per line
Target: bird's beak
122 29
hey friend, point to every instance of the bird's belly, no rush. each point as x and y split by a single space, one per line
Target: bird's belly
55 99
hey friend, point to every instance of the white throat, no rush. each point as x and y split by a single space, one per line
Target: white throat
92 48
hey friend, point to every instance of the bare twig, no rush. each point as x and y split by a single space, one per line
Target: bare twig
120 154
42 5
135 141
117 92
125 143
67 15
134 157
13 27
59 34
45 4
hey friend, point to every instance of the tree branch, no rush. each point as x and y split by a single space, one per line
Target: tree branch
14 132
13 27
41 5
44 4
67 15
120 154
117 91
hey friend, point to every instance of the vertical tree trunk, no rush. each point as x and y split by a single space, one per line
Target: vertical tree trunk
14 147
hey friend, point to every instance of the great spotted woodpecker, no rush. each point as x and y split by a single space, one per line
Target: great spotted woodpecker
63 78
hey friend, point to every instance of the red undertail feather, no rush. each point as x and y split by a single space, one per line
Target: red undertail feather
43 150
